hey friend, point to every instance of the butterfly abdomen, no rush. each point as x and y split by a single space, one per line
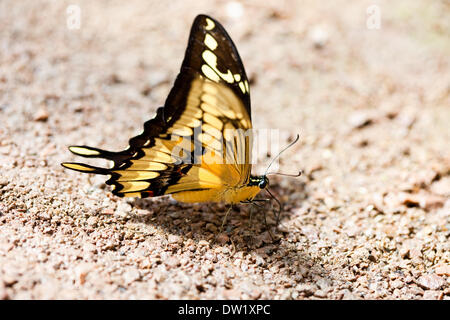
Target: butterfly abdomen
226 195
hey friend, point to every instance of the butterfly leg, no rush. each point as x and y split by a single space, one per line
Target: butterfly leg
267 226
251 203
225 218
280 206
254 203
251 215
265 217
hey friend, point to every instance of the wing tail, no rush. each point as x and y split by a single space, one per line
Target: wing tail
81 167
90 152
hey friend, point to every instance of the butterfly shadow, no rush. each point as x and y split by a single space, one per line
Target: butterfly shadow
242 231
213 222
247 226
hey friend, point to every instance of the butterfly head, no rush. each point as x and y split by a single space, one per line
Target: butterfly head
263 182
260 181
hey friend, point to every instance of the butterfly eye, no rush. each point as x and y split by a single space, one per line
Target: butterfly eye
263 183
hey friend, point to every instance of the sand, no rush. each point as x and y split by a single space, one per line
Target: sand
368 219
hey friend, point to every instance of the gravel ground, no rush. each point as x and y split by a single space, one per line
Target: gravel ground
369 219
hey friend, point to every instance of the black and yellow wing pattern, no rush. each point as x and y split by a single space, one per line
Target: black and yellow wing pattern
198 146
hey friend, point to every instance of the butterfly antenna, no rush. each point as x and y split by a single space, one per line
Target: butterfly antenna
285 148
285 174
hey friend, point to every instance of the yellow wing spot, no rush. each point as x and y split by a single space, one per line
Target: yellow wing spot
189 121
210 141
237 77
246 86
192 108
229 131
242 86
210 42
245 123
147 165
158 156
210 88
209 99
211 59
229 113
132 194
163 145
215 100
210 24
209 73
84 151
212 120
193 114
180 130
185 143
212 158
131 175
147 143
208 108
212 131
75 166
192 100
133 186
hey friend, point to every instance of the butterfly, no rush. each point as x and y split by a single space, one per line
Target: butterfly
198 146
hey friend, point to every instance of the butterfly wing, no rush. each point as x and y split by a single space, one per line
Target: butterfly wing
212 53
198 144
